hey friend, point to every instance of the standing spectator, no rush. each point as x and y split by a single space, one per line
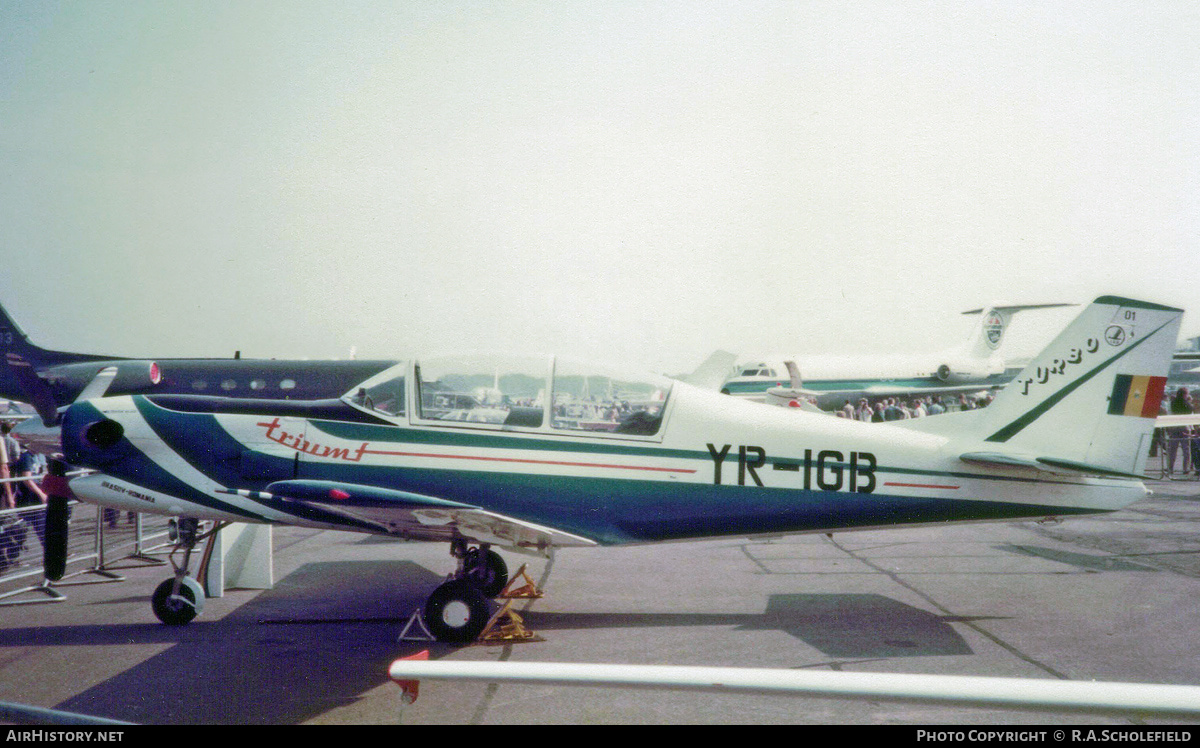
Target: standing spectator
9 452
1179 437
890 411
1195 434
919 408
863 412
29 493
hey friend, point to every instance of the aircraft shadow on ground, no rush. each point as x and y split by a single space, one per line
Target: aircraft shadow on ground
319 639
839 625
1085 561
325 635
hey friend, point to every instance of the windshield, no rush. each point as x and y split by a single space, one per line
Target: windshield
510 391
382 393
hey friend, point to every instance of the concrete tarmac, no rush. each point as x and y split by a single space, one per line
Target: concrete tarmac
1113 597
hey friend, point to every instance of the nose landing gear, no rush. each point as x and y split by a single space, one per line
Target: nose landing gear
180 599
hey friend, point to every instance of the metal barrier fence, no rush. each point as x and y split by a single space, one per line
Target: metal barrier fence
98 538
1174 458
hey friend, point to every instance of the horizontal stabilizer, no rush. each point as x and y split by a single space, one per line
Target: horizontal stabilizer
988 337
1001 459
35 391
1046 464
1184 419
1016 308
1085 468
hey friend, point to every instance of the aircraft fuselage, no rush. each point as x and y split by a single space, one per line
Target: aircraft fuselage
717 467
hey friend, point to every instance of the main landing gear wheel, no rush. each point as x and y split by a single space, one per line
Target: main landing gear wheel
486 569
457 612
176 608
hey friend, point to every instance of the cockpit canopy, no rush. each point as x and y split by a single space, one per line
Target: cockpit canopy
756 370
511 391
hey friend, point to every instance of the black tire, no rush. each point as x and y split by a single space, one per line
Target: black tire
456 612
174 611
488 573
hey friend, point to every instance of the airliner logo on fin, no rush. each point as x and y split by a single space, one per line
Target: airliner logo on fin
994 329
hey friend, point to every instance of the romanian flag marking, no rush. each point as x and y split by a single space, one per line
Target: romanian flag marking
1136 396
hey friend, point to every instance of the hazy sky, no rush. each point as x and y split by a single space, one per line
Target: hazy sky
634 181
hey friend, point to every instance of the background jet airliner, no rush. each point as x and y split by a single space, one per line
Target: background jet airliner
50 380
834 380
1069 436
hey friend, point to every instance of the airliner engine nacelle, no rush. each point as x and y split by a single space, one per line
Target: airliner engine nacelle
132 375
966 371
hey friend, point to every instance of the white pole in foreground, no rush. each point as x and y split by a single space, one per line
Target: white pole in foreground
953 690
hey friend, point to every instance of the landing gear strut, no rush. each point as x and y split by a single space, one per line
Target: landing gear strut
181 598
485 569
458 610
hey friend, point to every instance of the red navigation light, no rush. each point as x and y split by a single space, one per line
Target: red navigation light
155 373
338 494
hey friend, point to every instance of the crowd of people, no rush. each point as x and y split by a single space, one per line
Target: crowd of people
878 410
18 462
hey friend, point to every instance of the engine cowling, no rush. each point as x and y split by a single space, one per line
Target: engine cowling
132 376
955 372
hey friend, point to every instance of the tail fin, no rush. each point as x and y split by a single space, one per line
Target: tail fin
711 374
988 336
1087 403
20 380
11 336
21 363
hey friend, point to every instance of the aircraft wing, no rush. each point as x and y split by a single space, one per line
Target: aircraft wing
417 517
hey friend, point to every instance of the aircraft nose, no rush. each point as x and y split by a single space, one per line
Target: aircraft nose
89 437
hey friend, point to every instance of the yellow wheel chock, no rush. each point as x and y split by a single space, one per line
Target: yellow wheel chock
528 591
507 626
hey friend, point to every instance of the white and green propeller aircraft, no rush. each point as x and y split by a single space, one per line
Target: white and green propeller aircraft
573 454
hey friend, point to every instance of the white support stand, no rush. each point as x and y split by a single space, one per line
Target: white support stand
241 558
415 630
